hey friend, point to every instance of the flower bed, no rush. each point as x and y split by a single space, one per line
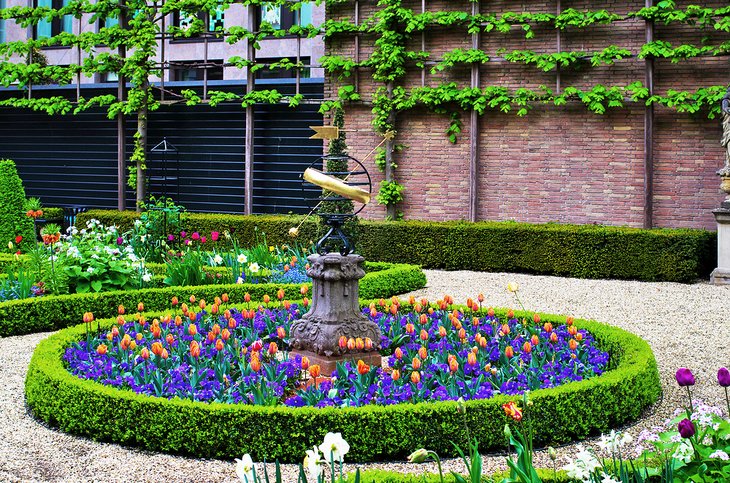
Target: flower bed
54 312
573 410
240 356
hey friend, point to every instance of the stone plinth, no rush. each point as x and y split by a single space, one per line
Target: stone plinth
335 309
721 275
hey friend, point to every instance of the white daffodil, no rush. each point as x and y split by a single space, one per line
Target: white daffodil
147 277
217 260
513 287
239 280
608 479
254 268
313 462
334 448
245 469
242 258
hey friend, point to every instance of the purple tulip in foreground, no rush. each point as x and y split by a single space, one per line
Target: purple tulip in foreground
723 377
686 428
685 377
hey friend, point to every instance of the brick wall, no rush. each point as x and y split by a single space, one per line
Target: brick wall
563 164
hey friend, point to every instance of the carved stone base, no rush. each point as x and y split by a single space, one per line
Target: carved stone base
720 277
335 310
327 365
721 274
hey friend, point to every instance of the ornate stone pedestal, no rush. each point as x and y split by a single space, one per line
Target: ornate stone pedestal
335 312
721 275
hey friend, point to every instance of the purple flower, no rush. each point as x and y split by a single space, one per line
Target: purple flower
723 377
183 234
170 237
685 377
686 428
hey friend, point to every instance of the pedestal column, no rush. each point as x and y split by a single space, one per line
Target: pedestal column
721 275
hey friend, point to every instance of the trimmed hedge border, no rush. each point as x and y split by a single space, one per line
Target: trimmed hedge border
583 251
215 430
54 312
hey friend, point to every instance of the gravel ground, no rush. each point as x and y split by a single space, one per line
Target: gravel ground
686 325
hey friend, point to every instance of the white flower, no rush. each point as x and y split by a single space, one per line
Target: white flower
143 238
313 462
585 463
720 454
239 280
614 441
334 448
132 257
513 287
90 269
242 258
608 479
245 469
254 267
95 256
137 223
684 451
217 260
147 277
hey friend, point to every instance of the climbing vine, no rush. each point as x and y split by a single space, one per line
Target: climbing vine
392 30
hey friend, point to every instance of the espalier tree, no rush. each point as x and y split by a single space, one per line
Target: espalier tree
393 27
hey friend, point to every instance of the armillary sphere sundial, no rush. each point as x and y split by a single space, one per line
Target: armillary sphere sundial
335 329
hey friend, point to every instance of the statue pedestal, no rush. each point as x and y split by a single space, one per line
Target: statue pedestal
335 313
721 275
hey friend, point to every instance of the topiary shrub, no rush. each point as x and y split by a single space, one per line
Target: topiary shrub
13 221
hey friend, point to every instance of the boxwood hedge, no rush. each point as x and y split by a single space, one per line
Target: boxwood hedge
57 311
583 251
384 476
215 430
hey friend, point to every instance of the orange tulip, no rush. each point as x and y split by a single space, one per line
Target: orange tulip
359 344
490 312
368 344
174 301
424 334
140 307
505 329
569 321
398 353
442 331
192 329
535 340
423 319
219 345
362 368
554 337
304 290
510 314
415 377
305 363
126 341
424 302
416 363
373 312
536 318
178 320
410 328
266 299
573 344
170 339
462 334
548 327
412 300
192 299
512 410
225 334
579 337
194 349
202 304
164 354
315 370
101 349
273 348
115 331
393 309
157 348
527 347
572 330
453 365
480 298
120 310
509 352
422 353
342 342
144 353
280 294
255 364
305 302
224 298
247 297
471 359
395 374
351 344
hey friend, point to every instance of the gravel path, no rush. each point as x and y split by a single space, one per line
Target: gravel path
686 325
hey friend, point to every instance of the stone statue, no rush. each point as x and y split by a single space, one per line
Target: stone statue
725 141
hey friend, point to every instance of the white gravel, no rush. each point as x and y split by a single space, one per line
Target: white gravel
686 325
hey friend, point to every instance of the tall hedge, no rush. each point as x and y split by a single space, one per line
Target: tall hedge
583 251
13 221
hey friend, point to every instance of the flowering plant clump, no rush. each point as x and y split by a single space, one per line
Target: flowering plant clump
218 353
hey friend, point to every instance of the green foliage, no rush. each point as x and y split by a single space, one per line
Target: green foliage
390 193
53 312
159 218
385 476
13 221
584 251
572 411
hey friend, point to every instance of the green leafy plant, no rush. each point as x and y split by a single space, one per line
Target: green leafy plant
13 220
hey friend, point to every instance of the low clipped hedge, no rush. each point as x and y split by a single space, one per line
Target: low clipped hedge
216 430
583 251
54 312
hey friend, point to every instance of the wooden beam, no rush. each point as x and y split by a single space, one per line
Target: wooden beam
474 130
649 132
248 140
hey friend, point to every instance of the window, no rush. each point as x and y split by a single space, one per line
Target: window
108 77
110 22
184 20
2 23
193 71
45 28
283 18
279 73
